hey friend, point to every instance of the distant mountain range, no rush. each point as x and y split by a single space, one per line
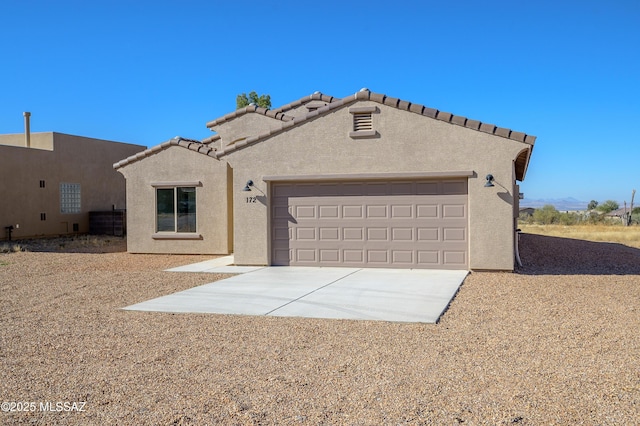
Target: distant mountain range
561 204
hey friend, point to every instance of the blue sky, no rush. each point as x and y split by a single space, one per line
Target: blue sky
143 71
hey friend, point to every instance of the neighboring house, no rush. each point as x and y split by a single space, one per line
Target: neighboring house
527 211
622 213
363 181
51 181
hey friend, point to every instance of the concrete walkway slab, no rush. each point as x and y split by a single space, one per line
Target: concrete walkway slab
347 293
204 266
410 296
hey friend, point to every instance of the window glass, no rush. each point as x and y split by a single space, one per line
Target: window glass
186 209
165 210
176 209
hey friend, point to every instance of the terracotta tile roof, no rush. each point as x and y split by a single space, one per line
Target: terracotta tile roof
365 94
250 108
191 144
277 113
211 139
335 103
316 96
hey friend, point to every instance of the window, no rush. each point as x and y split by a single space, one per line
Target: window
70 199
176 209
43 216
41 184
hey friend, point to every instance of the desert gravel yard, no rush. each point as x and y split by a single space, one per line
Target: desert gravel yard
558 342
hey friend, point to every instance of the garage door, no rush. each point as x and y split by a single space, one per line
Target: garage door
408 224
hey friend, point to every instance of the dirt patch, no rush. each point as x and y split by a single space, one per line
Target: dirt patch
70 244
555 343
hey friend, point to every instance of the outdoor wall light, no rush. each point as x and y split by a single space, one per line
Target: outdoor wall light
489 183
248 186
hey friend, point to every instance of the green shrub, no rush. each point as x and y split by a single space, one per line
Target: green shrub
547 215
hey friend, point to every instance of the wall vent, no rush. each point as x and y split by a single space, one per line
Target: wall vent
362 121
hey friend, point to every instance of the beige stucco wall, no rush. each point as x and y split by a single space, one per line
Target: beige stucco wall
213 214
407 142
57 158
246 125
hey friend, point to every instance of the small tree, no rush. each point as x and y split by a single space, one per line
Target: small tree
242 100
592 205
608 206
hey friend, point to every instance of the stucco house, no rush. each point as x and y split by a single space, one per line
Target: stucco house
367 180
51 182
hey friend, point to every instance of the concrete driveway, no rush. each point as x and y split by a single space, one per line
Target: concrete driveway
403 295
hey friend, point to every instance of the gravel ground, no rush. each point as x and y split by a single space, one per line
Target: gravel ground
558 342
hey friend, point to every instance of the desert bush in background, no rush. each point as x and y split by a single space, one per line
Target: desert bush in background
549 215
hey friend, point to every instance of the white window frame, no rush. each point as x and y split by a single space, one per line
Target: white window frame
175 234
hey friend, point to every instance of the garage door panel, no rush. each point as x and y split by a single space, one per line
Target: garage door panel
283 234
404 257
281 256
402 188
352 212
455 257
281 211
428 257
352 189
353 256
329 234
377 211
427 211
454 187
378 257
454 234
402 234
429 234
402 211
329 212
353 234
428 188
399 224
305 212
377 234
327 189
306 255
376 189
306 234
329 255
453 211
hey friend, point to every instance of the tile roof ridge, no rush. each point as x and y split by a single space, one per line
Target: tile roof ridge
315 96
211 139
366 94
191 144
249 108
